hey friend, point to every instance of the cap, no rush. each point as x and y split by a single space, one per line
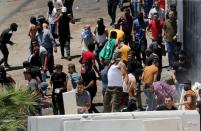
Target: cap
187 82
63 9
87 27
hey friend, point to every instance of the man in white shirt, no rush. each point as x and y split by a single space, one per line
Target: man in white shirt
113 93
158 10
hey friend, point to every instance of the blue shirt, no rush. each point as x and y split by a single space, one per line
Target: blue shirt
45 39
138 28
75 77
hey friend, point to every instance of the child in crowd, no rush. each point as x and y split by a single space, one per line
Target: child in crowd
74 75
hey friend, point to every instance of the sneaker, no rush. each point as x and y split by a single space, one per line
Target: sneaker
69 58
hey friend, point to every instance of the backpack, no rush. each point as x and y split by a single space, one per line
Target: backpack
108 50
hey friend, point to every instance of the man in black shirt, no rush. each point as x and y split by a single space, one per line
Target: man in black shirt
64 32
5 39
59 82
89 77
168 105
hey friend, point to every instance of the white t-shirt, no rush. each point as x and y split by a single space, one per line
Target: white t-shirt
114 76
127 82
161 13
52 17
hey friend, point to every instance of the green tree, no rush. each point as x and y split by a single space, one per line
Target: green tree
16 104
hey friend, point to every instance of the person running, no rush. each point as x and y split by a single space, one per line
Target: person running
32 33
5 39
64 32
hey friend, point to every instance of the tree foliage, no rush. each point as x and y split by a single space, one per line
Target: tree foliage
16 104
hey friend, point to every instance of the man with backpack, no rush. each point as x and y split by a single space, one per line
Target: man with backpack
108 50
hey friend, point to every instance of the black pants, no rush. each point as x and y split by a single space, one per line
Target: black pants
58 106
112 7
50 60
65 45
5 52
140 47
69 6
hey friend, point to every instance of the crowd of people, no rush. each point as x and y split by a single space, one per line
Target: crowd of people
122 58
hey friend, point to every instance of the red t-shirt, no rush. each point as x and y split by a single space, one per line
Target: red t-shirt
88 56
156 28
162 4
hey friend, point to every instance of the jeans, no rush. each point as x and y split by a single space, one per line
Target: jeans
148 4
53 30
111 100
112 7
65 45
170 49
150 100
50 58
5 52
136 8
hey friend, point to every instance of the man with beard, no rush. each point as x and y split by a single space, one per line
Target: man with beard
5 39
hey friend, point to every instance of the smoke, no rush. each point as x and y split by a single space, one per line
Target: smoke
13 12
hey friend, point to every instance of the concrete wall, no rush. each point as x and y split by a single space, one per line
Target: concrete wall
142 121
192 36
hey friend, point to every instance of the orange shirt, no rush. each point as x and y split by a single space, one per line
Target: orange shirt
125 51
149 73
193 95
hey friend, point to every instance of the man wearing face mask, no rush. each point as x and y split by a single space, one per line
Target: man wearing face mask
158 10
190 97
126 22
5 39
